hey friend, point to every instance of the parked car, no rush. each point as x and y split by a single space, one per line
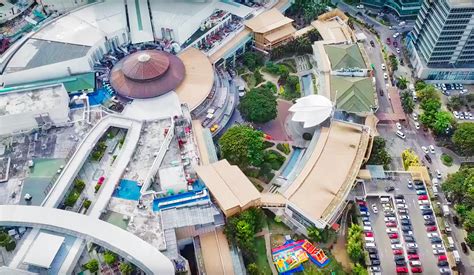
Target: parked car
391 224
406 228
436 240
404 217
412 251
427 212
415 263
413 257
401 269
407 233
428 158
397 252
412 245
375 263
423 202
374 257
416 269
399 197
391 230
430 222
437 246
428 217
442 258
374 208
423 197
443 263
394 241
444 271
424 149
438 251
401 263
409 239
396 246
419 187
431 228
421 192
384 67
393 235
405 222
432 235
390 219
432 149
389 188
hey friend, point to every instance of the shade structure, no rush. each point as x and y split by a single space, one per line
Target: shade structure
311 110
147 74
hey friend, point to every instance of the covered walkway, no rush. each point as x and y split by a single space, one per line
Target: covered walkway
139 21
111 237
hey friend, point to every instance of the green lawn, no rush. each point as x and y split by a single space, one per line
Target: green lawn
261 259
333 268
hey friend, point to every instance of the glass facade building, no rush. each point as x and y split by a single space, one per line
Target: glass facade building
441 44
403 8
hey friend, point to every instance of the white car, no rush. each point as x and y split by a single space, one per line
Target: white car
438 174
436 246
399 126
398 50
428 217
404 217
385 76
374 208
412 245
425 150
397 246
396 35
432 149
390 219
410 184
424 207
423 202
438 251
432 235
415 263
456 114
384 67
401 206
408 233
400 201
415 116
461 116
391 230
417 125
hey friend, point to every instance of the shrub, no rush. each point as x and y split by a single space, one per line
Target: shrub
71 199
251 172
284 148
274 158
97 187
267 144
110 257
11 245
79 185
87 204
446 160
92 265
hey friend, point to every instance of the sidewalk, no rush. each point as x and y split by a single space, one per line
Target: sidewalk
266 235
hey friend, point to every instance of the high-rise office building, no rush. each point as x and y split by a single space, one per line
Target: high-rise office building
403 8
441 46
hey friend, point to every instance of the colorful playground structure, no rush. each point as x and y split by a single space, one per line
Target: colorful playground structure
289 257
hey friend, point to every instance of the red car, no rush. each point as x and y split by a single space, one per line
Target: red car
431 228
413 257
369 234
391 224
362 203
423 197
401 269
398 252
416 269
393 236
442 258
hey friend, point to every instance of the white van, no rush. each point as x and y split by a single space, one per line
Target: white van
384 200
435 191
370 245
369 239
450 243
457 257
400 134
367 228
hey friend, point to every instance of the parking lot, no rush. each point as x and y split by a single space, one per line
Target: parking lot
415 222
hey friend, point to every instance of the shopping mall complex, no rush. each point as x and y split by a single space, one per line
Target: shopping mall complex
108 112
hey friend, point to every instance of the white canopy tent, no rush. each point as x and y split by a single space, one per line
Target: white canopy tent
311 110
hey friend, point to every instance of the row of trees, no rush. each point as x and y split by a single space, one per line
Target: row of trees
241 230
379 155
109 258
433 117
463 138
459 188
308 10
354 245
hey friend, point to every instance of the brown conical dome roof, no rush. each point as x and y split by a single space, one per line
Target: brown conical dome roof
146 74
145 65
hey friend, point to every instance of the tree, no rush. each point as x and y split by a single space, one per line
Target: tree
420 84
402 83
125 269
410 158
258 76
457 186
379 155
463 138
470 239
468 223
242 146
253 269
315 234
442 121
258 105
359 270
314 35
253 60
430 107
407 102
92 266
393 62
241 230
354 243
110 257
428 92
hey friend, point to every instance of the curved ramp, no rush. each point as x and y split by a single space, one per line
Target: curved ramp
124 243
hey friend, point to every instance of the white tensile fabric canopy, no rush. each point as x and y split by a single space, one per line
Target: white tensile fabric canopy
311 110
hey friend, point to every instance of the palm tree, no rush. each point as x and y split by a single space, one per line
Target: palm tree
402 82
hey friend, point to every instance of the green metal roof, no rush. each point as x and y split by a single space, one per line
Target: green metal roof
353 94
79 82
343 56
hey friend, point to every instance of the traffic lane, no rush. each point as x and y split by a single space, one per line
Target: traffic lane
382 241
425 250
